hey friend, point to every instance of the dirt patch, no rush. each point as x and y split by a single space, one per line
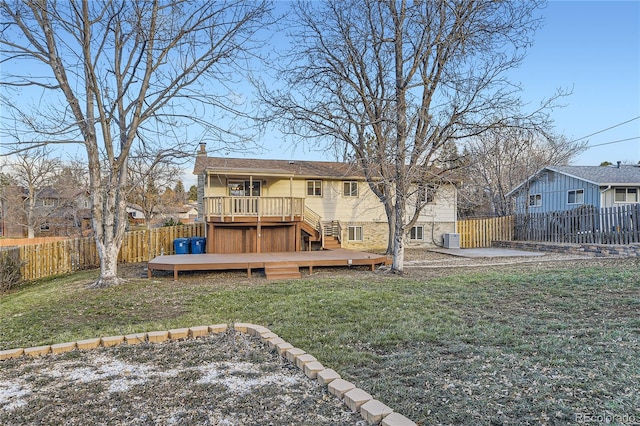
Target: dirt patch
227 379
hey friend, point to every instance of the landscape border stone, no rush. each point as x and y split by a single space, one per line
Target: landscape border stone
372 411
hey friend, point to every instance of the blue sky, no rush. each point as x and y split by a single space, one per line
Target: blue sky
593 48
589 47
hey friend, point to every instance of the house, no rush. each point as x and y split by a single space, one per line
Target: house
62 213
135 214
259 205
54 213
559 188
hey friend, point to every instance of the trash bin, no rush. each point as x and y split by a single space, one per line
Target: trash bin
181 245
197 245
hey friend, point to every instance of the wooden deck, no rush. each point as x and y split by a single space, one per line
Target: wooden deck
250 261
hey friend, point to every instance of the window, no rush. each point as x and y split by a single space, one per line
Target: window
417 233
314 188
426 194
575 196
244 188
45 227
535 200
350 188
355 233
48 202
626 195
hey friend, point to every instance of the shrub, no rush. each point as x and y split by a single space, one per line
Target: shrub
172 222
10 265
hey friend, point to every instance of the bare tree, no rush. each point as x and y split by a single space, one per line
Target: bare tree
34 172
124 73
146 176
394 83
503 157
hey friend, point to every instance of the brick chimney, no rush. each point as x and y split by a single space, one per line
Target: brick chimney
202 152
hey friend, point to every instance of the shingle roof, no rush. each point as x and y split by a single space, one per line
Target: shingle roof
306 169
598 175
623 175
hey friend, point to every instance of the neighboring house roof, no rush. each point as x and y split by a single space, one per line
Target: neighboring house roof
597 175
48 192
303 169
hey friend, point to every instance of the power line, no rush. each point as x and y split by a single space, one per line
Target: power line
608 128
612 142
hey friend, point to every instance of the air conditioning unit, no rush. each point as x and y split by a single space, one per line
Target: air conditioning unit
452 241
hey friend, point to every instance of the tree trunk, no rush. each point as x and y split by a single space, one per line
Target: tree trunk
398 247
109 223
108 266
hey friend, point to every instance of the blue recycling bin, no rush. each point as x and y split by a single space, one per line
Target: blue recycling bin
197 245
181 245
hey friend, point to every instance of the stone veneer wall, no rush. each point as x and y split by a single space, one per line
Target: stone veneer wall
596 250
375 235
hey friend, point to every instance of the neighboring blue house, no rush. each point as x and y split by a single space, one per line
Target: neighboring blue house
557 188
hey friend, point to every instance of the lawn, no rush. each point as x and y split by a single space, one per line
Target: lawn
550 344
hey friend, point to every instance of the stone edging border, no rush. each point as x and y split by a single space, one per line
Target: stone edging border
372 411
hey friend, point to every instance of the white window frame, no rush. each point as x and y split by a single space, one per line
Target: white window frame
414 231
316 185
353 231
348 189
426 194
537 200
626 195
575 192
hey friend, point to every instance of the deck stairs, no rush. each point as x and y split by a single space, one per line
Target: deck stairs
328 232
331 231
282 271
331 243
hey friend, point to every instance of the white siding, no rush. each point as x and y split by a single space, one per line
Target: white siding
334 206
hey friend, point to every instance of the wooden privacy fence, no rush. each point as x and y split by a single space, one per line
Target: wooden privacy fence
476 233
585 224
13 242
60 257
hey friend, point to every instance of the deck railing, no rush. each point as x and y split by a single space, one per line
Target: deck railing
229 208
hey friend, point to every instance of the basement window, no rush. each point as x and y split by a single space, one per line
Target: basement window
355 233
416 233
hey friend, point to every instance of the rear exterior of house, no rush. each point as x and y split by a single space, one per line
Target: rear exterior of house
257 205
560 188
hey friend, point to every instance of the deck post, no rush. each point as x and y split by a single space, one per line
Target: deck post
297 237
258 237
